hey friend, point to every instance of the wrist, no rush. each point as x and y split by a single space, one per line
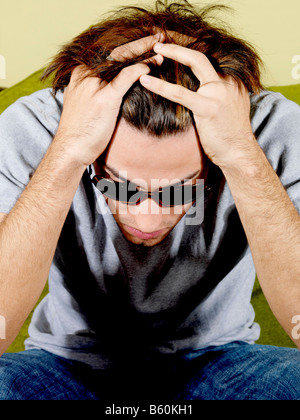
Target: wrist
251 177
65 156
247 158
59 173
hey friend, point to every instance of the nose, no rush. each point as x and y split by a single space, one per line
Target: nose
149 216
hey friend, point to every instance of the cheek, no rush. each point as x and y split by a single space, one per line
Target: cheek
187 207
116 207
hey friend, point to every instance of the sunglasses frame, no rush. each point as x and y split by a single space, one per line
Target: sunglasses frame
144 195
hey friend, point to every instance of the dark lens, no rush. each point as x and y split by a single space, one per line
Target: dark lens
135 198
125 195
166 196
128 193
178 195
107 187
191 193
125 192
188 194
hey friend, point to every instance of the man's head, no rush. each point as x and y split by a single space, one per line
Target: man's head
155 140
139 158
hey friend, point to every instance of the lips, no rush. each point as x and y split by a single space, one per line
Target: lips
144 235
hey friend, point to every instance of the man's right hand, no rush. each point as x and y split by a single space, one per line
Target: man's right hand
90 112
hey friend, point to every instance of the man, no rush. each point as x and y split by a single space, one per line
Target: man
148 299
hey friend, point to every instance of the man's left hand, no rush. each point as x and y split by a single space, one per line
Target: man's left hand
221 106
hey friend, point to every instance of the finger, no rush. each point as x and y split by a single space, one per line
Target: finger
135 48
174 93
79 73
125 79
156 59
198 62
82 74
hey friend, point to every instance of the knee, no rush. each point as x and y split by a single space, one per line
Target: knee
11 380
278 378
18 376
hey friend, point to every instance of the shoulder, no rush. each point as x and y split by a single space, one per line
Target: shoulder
27 128
275 120
276 125
272 110
40 106
31 119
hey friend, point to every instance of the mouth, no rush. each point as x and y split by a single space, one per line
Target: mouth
144 235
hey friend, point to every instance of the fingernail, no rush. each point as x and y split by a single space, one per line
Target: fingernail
145 80
157 36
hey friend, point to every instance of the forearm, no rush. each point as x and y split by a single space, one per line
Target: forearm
29 235
272 226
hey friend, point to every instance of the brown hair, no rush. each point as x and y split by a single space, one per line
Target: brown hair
141 108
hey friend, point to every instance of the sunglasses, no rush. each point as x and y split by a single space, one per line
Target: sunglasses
127 192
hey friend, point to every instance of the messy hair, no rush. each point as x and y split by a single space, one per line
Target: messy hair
141 108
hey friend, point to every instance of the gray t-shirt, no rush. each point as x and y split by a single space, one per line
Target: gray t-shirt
111 301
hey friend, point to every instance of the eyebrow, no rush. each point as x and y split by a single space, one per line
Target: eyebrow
117 174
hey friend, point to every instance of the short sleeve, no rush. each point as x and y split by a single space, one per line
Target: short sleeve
26 130
276 124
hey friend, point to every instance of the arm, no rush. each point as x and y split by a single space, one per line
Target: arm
30 232
28 238
272 226
221 110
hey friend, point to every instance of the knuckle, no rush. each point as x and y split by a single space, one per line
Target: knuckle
200 56
179 93
118 54
215 107
101 101
125 72
133 72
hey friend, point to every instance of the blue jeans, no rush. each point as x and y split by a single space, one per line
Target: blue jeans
235 371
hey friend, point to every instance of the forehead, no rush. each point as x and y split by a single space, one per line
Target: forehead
144 156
